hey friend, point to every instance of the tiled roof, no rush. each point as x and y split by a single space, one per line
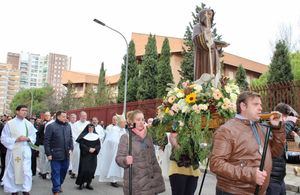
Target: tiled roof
176 45
79 77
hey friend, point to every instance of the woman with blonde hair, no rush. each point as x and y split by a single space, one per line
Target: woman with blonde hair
146 178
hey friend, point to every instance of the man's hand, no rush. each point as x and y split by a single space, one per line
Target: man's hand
173 140
291 118
49 158
275 119
22 139
92 150
129 160
260 177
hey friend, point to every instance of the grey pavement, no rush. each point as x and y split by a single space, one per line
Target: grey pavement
43 187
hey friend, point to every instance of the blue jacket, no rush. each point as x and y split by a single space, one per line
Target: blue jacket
58 140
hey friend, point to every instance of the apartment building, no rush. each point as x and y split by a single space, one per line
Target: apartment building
9 86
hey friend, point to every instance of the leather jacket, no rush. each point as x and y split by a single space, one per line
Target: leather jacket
235 156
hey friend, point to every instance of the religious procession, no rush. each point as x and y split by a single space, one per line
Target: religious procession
208 126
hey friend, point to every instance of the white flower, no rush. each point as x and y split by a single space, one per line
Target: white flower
228 89
203 107
233 97
196 108
180 94
198 88
217 94
175 107
181 124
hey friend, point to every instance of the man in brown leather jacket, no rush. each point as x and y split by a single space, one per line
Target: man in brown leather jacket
237 149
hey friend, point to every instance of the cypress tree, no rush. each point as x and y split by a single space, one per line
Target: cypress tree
241 79
132 75
164 70
102 91
148 71
280 67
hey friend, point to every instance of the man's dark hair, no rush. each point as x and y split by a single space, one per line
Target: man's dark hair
243 97
58 113
18 108
285 109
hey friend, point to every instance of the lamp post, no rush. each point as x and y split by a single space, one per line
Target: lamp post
126 63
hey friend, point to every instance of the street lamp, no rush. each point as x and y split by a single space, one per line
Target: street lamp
126 63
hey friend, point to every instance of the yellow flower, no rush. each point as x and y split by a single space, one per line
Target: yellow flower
191 98
167 110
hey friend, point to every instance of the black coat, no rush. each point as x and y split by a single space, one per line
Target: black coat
58 140
2 147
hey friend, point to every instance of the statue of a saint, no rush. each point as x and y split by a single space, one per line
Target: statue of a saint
206 49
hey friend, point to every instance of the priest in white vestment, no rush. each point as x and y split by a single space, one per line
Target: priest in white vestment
114 122
18 137
72 121
110 171
79 126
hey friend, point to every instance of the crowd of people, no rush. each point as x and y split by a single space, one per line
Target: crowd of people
57 145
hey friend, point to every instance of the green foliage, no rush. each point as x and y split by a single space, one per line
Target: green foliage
164 70
132 75
102 96
148 71
262 80
69 101
89 98
187 65
280 67
295 62
121 83
40 98
241 79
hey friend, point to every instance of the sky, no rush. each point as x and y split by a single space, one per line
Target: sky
67 27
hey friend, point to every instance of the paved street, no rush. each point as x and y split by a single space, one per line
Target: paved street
43 187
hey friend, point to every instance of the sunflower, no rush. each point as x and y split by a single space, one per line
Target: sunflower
191 98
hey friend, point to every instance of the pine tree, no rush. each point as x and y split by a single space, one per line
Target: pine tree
148 71
132 74
102 91
88 100
187 64
164 71
280 67
241 79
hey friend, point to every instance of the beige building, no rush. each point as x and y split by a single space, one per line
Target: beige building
9 86
81 81
231 62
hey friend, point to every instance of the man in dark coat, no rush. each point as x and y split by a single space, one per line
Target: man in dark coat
58 145
2 153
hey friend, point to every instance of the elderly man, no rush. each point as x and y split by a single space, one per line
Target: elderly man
44 164
17 136
78 128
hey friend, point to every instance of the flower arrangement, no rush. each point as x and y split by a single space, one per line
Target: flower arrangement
188 110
